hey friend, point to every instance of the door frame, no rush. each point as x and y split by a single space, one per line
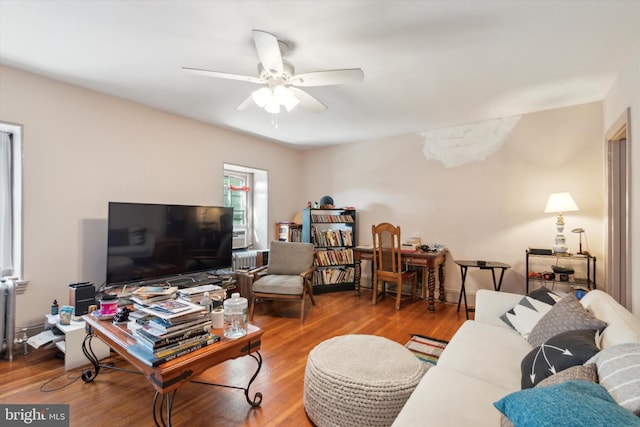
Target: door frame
618 262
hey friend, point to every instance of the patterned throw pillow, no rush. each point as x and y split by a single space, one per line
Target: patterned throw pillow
560 352
566 315
524 316
619 373
587 372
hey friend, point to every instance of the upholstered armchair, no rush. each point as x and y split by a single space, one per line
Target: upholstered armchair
287 276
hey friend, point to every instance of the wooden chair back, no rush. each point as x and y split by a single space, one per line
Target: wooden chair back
387 263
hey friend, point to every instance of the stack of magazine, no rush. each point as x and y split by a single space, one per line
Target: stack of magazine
146 295
173 328
194 294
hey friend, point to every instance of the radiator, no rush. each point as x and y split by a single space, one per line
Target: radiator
7 317
244 260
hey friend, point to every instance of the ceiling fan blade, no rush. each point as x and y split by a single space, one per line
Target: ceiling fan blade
222 75
307 101
268 52
328 78
246 103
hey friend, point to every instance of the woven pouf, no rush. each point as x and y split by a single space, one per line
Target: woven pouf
359 380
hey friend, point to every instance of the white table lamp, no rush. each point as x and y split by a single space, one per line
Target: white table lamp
559 203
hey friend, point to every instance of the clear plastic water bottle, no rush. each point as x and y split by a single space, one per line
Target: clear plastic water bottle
235 316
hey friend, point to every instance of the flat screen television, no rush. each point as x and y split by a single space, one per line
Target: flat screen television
152 241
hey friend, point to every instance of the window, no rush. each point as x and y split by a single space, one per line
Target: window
10 200
237 194
246 191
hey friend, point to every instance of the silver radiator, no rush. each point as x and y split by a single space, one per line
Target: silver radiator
244 260
7 317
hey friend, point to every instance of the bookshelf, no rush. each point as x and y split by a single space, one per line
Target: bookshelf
288 232
333 233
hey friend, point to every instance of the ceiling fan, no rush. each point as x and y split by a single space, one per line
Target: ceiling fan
280 84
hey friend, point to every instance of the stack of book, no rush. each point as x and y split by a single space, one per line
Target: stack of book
196 293
175 328
146 295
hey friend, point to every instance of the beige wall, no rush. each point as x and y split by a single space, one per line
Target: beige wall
625 93
83 149
490 209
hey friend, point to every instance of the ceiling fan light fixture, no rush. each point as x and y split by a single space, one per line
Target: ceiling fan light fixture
261 96
272 106
285 97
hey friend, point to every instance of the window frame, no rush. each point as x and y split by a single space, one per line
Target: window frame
16 133
246 180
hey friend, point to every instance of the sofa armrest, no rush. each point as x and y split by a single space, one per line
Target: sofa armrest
490 305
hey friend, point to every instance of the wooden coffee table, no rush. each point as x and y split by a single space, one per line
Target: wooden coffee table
168 377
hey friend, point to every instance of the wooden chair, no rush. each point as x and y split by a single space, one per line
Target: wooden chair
387 264
287 276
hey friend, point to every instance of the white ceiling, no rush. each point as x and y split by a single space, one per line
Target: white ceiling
427 64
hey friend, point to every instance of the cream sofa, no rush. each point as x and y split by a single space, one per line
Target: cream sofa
481 364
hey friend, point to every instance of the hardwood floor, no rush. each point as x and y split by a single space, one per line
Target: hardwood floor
124 399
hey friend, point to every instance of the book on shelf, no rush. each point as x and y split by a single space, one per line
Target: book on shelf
150 359
169 309
331 218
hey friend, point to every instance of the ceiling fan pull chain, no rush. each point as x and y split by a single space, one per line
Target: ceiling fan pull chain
274 121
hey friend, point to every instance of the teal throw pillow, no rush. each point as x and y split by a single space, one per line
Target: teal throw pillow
570 404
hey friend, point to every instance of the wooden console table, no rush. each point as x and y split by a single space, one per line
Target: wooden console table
168 377
428 261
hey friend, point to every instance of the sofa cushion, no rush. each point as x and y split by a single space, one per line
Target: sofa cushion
487 352
446 398
279 284
524 315
623 326
572 403
619 373
560 352
566 315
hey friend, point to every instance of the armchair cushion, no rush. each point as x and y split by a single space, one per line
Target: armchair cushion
290 258
279 284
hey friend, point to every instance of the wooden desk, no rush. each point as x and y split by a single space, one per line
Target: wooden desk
428 261
170 376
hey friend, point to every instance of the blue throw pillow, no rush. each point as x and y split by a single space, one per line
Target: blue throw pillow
570 404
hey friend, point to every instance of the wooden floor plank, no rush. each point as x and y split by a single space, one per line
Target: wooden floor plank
125 399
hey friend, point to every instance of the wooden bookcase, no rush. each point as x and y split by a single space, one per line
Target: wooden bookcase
333 233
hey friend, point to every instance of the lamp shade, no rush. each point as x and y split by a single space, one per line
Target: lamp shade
560 202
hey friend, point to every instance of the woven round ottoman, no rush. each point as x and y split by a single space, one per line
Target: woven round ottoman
359 380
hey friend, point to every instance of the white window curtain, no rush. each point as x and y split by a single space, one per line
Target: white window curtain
6 206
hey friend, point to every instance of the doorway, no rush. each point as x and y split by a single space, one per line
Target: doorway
618 209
